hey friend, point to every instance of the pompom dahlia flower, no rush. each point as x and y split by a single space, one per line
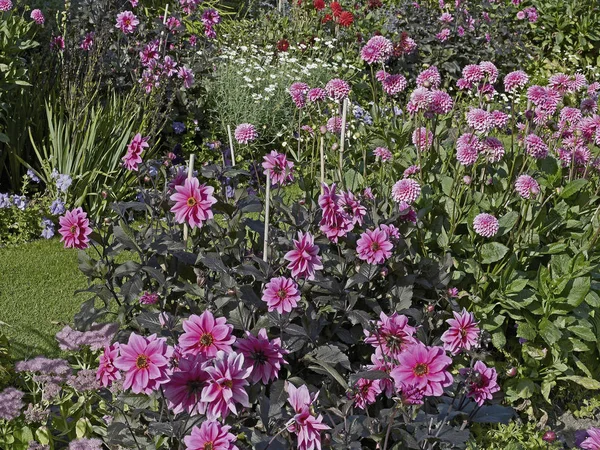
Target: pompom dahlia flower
245 133
377 50
406 190
485 225
526 186
38 17
337 89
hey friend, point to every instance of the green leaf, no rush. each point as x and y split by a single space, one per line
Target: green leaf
584 333
492 252
572 188
507 222
549 332
588 383
326 369
447 182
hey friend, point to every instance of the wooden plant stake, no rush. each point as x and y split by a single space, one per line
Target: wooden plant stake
189 175
231 146
267 211
322 166
343 138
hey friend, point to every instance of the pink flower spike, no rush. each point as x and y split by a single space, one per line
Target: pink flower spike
262 356
227 379
193 202
304 259
462 334
206 335
423 367
281 294
145 363
210 435
75 229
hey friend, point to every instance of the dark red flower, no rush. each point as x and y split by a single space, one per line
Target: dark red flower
346 19
319 4
336 9
374 4
327 18
283 45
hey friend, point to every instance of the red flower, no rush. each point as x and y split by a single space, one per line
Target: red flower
336 9
346 19
319 4
283 45
326 18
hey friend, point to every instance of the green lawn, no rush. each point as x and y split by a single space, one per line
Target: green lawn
37 285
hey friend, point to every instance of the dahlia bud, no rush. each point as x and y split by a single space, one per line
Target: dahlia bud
512 372
549 436
104 194
323 129
231 292
430 308
384 272
107 221
146 179
467 180
335 146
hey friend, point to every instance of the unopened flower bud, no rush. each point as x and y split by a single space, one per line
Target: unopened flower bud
549 436
512 372
467 180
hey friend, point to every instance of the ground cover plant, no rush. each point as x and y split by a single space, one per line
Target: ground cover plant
375 240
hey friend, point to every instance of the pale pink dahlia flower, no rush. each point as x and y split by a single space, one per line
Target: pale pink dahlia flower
193 202
485 225
5 5
429 78
337 89
406 190
383 154
377 50
38 17
526 186
206 335
281 294
263 356
422 138
145 363
394 84
462 334
536 147
304 259
515 80
75 229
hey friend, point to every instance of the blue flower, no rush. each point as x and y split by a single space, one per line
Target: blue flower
178 127
152 171
31 174
57 207
63 182
20 201
4 201
48 230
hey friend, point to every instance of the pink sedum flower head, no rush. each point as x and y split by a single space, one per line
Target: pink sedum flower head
193 202
184 388
280 170
134 151
337 89
392 335
206 335
424 368
127 22
462 334
245 133
377 50
527 187
227 379
307 427
107 372
406 190
281 294
365 392
485 225
383 154
481 382
38 17
304 258
5 5
145 363
374 246
210 436
592 442
75 229
262 356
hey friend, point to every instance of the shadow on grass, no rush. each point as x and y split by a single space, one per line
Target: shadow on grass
41 345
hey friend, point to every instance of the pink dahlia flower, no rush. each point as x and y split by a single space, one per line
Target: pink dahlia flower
304 258
527 187
485 225
210 436
75 229
225 388
406 190
337 89
592 442
305 425
88 42
468 147
127 22
335 221
262 356
443 35
134 151
394 84
429 78
481 382
298 92
492 148
352 208
334 124
365 392
278 167
422 139
480 120
383 154
107 372
5 5
446 18
377 50
187 76
206 335
420 100
536 147
145 362
374 246
424 368
440 102
490 71
193 202
410 171
515 80
473 73
184 388
499 118
382 363
462 334
316 95
392 335
281 294
38 17
245 133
